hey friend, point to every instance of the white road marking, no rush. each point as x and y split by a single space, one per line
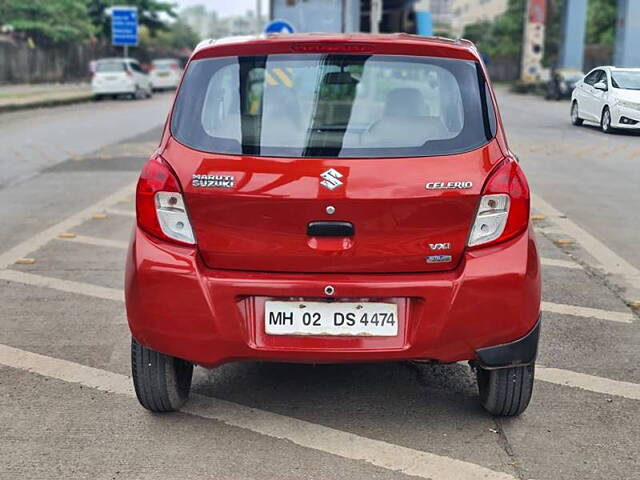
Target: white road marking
306 434
553 262
588 382
63 285
610 261
98 242
91 290
119 211
34 243
622 317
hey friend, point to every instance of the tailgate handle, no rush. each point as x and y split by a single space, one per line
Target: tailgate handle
330 229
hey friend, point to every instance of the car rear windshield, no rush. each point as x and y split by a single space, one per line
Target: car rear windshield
110 67
333 106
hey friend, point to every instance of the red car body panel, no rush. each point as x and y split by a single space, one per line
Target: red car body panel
205 303
177 305
260 224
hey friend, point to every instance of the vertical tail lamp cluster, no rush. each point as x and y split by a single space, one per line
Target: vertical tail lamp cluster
160 206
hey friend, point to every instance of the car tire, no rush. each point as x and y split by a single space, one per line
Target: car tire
605 121
575 116
505 392
162 382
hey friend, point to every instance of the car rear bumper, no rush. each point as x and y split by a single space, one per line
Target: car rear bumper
117 89
178 306
164 82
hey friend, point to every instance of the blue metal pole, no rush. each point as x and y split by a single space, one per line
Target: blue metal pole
574 19
627 51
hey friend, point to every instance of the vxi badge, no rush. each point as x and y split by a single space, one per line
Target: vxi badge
448 185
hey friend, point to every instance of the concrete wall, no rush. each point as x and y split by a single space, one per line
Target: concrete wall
21 64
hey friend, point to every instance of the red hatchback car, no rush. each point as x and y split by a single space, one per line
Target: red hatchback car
333 198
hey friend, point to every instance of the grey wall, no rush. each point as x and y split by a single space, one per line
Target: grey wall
21 64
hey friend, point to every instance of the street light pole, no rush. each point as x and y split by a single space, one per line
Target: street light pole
258 16
375 16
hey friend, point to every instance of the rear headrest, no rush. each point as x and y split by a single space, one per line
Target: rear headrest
404 102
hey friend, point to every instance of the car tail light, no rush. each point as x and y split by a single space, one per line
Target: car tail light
503 212
160 206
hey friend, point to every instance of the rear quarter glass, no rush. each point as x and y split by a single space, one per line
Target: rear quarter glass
333 106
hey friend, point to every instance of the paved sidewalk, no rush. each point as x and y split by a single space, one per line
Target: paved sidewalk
23 96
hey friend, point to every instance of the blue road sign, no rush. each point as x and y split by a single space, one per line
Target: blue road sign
124 26
279 26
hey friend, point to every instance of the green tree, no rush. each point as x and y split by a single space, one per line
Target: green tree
48 21
601 22
150 14
502 37
180 35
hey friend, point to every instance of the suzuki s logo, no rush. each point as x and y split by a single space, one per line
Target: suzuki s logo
331 179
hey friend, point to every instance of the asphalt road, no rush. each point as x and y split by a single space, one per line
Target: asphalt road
66 405
592 177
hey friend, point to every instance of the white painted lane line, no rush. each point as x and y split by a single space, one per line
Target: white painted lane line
588 382
622 317
306 434
609 260
63 285
119 211
34 243
553 262
347 445
64 370
118 295
98 242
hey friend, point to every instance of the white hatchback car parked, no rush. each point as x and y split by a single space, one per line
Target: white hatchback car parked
609 96
165 73
120 76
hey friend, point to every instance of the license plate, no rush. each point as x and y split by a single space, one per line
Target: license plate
163 74
370 319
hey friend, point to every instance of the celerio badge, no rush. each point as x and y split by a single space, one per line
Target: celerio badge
448 185
213 181
331 179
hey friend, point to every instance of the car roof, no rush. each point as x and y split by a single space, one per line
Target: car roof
386 43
